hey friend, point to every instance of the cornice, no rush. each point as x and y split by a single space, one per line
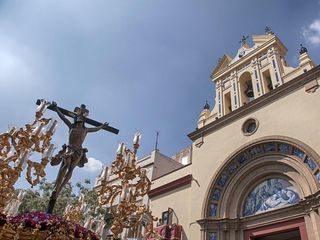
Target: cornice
170 186
298 211
264 100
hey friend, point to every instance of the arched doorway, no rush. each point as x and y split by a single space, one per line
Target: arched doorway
261 193
286 230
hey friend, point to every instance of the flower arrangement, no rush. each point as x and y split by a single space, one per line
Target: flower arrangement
40 225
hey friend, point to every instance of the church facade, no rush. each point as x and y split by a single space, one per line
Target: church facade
255 169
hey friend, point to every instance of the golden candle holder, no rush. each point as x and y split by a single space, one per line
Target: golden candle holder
74 213
16 147
122 199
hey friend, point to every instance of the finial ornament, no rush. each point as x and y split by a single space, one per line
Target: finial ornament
268 30
206 106
303 49
244 40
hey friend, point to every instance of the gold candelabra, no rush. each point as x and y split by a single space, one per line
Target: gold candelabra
74 213
122 199
16 147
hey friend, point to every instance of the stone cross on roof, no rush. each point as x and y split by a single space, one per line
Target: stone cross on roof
244 40
268 30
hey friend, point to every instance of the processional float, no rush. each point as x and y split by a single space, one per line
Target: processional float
16 149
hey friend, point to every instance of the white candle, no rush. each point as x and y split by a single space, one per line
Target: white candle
117 202
81 198
83 206
123 193
133 191
104 173
129 160
129 193
49 151
37 131
136 138
108 174
53 126
121 148
24 158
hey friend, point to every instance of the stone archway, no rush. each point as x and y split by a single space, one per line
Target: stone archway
268 158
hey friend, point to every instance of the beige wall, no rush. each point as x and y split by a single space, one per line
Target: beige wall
295 115
163 164
179 201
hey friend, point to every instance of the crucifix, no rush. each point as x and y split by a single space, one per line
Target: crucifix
268 30
243 40
72 154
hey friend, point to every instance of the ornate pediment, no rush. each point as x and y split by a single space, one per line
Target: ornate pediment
223 63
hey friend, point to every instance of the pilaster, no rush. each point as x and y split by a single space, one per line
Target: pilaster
235 100
220 97
274 68
256 78
315 221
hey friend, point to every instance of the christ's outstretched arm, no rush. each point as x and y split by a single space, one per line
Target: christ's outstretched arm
61 115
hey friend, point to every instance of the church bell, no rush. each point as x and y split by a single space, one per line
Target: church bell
249 89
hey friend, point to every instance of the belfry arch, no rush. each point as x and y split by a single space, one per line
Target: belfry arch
263 161
246 88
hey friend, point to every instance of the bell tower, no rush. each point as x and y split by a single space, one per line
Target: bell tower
253 72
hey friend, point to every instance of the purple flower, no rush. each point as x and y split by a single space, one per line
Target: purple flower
47 222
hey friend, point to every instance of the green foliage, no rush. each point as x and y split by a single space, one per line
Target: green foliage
37 199
91 199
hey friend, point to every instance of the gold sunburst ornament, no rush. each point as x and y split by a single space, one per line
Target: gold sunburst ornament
16 148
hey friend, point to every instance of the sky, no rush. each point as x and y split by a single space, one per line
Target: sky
141 65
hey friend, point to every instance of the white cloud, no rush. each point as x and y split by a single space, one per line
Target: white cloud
93 165
312 32
14 69
20 67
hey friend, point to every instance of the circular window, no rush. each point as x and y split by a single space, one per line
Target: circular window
250 126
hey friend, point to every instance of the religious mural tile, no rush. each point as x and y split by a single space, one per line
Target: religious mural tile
213 236
222 180
216 194
232 168
284 148
270 147
255 150
269 195
213 210
243 157
312 165
297 152
318 176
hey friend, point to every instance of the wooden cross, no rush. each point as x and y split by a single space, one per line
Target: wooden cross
87 120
